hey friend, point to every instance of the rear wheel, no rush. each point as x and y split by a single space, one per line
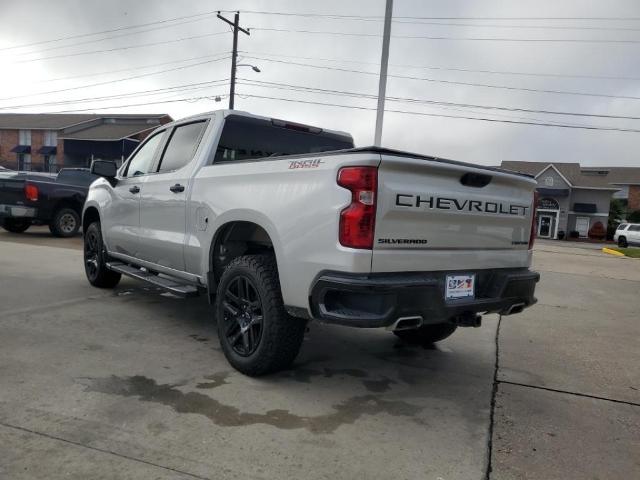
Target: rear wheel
256 333
95 259
427 334
65 223
16 225
622 242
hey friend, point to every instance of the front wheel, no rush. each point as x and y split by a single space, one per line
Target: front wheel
16 225
427 334
65 223
95 259
256 334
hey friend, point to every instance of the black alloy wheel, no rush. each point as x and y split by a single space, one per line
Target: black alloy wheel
91 252
243 316
95 259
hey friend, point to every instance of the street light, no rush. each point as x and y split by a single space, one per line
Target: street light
253 67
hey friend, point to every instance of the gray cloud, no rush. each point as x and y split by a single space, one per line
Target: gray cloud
473 141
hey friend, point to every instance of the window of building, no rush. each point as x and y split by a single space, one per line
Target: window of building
50 164
182 146
24 162
24 137
548 181
50 138
142 161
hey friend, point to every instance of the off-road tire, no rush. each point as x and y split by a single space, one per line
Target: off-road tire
95 259
16 225
280 335
65 223
427 334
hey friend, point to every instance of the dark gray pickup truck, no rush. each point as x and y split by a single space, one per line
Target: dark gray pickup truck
28 198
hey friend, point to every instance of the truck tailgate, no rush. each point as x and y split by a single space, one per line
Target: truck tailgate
436 215
11 189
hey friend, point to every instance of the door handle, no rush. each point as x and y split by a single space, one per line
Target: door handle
177 188
135 189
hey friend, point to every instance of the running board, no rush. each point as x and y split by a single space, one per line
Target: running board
183 290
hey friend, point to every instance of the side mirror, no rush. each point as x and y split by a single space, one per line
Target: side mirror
104 168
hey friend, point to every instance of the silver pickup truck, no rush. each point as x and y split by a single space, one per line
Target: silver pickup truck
281 223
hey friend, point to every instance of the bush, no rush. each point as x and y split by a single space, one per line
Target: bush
561 235
597 231
574 234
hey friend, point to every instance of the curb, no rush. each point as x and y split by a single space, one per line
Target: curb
613 252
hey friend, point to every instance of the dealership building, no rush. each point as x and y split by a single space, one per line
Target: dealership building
572 198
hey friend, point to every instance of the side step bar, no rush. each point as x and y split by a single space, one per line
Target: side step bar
183 290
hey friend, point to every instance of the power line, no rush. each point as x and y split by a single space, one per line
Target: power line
433 37
433 102
379 17
156 91
131 69
108 82
119 29
452 69
585 127
127 47
527 27
418 21
111 37
451 82
191 99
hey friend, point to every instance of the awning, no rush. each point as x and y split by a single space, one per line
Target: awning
21 149
48 150
553 192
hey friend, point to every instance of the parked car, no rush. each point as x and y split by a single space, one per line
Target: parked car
281 223
28 198
627 234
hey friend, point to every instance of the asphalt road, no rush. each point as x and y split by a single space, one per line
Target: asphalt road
131 383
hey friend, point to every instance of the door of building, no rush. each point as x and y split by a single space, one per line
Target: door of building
582 226
544 226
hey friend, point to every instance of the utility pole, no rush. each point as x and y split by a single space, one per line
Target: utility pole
234 54
384 62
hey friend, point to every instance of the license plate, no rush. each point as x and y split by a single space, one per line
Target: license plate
460 286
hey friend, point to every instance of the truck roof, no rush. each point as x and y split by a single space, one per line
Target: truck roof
226 112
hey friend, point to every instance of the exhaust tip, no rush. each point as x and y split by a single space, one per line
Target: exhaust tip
515 308
406 323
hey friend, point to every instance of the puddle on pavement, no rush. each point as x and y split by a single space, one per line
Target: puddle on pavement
216 380
346 412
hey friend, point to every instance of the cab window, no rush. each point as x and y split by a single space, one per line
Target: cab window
142 161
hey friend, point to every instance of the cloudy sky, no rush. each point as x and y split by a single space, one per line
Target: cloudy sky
587 49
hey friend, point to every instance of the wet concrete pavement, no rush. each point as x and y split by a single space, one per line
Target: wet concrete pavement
132 384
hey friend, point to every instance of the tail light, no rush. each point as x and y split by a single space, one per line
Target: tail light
534 206
31 192
357 221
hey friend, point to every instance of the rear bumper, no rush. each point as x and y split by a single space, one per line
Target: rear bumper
379 299
17 211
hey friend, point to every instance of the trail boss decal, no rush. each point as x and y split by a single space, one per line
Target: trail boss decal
444 203
305 163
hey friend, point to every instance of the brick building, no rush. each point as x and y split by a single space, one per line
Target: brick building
47 142
574 198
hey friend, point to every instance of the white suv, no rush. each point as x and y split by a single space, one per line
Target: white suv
627 234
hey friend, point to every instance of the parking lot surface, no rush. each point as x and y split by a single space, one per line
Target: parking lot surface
131 383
